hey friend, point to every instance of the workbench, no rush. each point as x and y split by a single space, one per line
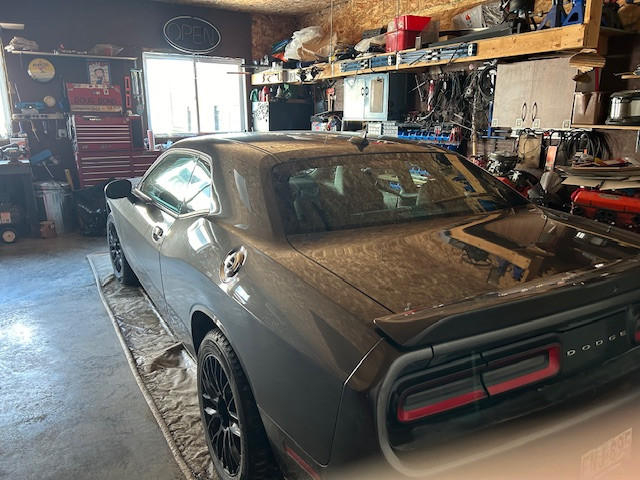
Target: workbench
21 172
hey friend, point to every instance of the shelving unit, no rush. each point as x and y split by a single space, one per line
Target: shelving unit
77 55
571 38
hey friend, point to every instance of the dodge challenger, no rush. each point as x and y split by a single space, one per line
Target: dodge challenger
356 299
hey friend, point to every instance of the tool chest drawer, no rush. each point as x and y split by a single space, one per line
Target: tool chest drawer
95 168
95 133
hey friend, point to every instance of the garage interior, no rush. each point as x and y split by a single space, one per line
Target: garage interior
543 95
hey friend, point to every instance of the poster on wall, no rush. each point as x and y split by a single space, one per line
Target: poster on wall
98 72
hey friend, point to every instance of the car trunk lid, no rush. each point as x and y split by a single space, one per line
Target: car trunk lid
432 274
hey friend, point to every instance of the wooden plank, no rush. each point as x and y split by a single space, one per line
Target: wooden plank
550 40
592 16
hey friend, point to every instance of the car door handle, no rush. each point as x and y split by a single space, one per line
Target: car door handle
157 233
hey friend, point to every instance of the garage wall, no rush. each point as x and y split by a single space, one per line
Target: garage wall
269 29
351 17
80 24
134 25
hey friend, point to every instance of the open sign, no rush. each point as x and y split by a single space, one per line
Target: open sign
191 34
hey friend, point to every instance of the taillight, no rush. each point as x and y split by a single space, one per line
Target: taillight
498 376
637 334
438 397
522 369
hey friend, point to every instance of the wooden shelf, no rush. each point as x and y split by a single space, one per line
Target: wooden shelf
607 127
629 77
78 55
571 38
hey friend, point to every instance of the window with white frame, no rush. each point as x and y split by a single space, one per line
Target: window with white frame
5 111
188 95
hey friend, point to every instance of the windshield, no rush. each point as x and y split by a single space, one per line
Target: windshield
352 191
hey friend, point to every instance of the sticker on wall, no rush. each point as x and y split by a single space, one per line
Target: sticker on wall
98 72
191 34
41 70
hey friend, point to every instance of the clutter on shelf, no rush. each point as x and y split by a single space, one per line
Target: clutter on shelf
20 44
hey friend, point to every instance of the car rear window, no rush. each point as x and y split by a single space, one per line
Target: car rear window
354 191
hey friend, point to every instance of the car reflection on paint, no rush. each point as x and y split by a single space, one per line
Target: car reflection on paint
354 299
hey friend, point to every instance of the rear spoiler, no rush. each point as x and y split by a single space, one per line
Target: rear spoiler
535 307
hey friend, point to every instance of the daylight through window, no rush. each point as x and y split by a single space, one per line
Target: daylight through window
190 95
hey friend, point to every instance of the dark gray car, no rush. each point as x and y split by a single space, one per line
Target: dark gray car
353 299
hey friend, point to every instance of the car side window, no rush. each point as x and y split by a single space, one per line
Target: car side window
198 193
167 183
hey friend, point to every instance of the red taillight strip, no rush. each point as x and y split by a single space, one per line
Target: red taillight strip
301 462
552 368
439 407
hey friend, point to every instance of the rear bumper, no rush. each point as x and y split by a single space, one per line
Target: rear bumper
602 373
530 426
551 431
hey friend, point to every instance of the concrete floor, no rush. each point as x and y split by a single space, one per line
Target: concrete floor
69 405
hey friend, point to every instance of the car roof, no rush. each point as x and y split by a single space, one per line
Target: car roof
285 146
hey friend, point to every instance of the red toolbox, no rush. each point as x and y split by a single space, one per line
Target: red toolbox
620 210
97 167
96 133
93 98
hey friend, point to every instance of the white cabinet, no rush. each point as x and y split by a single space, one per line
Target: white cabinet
534 94
374 97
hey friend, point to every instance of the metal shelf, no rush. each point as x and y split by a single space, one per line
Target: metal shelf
78 55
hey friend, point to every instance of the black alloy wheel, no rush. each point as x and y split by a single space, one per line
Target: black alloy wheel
234 432
115 250
221 415
121 268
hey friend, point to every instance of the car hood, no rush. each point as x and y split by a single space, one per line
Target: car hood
439 262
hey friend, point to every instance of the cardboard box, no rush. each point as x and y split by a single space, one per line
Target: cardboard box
589 108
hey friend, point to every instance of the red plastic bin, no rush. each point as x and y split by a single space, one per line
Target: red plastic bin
411 22
401 40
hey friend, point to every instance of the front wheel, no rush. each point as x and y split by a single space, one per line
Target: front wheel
234 432
121 268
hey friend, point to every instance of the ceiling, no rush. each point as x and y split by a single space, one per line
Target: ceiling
273 7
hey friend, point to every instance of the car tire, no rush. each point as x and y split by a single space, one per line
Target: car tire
121 268
234 432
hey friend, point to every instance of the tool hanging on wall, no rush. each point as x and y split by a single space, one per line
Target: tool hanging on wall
137 90
127 92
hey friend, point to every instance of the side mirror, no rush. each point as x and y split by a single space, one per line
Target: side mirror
118 189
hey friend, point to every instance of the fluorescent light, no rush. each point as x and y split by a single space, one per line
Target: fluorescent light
11 26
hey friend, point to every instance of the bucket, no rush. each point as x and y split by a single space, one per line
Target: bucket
48 229
55 203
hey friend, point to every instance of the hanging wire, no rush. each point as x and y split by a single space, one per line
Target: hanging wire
331 35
